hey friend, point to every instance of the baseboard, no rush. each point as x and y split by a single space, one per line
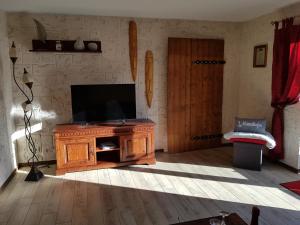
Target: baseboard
39 163
226 144
290 168
282 164
13 173
51 162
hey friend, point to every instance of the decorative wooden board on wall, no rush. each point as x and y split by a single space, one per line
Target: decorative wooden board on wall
149 77
133 48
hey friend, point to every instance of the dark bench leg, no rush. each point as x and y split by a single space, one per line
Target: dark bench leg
247 156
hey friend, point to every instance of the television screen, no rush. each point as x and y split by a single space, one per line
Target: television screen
96 103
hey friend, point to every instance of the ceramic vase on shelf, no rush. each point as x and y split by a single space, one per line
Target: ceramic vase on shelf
58 45
79 44
93 46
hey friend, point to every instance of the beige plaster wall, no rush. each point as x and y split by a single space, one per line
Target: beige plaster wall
255 83
7 154
54 73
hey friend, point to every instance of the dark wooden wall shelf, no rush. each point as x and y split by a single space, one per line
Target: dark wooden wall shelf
67 46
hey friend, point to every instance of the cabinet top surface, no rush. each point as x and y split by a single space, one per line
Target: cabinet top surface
104 125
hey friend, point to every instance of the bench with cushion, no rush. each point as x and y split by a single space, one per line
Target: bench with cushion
249 138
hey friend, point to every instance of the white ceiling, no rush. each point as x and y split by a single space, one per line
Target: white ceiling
213 10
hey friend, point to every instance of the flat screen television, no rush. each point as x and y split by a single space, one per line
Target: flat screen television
98 103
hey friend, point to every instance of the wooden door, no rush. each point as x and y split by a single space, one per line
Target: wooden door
195 90
179 66
75 152
206 93
134 146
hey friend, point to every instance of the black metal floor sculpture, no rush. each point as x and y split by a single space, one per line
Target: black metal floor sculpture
34 174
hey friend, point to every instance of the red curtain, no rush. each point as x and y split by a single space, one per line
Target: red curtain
285 78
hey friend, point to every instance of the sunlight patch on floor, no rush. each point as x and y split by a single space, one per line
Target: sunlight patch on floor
196 169
185 186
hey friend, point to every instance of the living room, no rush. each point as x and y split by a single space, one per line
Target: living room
165 167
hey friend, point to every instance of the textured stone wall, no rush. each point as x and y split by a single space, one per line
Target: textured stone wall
247 90
54 73
7 154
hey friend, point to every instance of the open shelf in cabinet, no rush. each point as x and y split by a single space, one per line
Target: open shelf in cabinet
108 156
111 155
107 150
101 140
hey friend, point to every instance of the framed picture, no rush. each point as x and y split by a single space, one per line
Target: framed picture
260 56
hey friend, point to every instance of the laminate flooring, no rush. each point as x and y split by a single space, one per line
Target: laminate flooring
180 187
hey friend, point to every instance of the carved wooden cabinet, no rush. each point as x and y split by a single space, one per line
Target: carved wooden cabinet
78 147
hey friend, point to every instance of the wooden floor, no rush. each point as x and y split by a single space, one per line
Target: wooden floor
179 187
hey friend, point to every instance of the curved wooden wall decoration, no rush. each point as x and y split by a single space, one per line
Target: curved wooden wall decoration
133 48
149 77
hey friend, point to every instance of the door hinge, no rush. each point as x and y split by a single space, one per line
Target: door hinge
213 62
206 137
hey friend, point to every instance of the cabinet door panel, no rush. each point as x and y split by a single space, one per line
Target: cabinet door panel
78 152
134 147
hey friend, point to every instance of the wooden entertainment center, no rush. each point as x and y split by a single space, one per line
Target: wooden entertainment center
78 146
